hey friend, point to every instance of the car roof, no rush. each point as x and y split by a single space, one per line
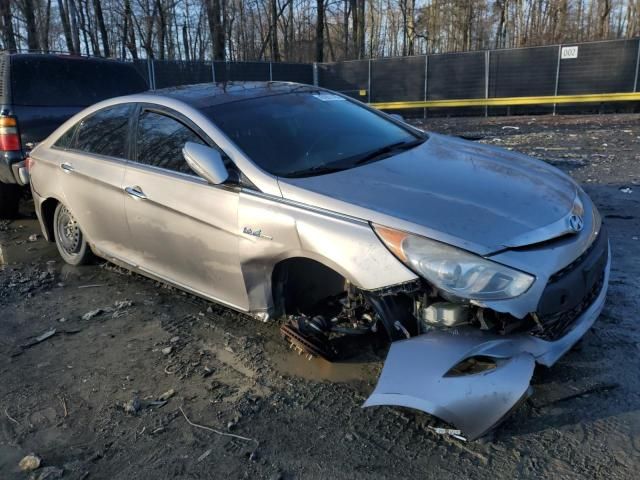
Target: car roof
204 95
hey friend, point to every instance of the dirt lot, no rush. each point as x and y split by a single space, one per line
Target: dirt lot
83 399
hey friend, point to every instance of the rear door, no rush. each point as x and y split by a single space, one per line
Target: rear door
184 230
93 164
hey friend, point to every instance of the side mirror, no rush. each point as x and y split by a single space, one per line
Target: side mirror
397 116
206 162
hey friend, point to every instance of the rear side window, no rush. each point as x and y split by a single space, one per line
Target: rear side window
105 132
65 140
49 80
160 141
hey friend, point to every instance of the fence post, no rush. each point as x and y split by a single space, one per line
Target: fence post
369 84
555 92
315 74
271 71
150 73
635 80
486 80
213 71
426 73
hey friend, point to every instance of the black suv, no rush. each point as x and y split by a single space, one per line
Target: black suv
38 92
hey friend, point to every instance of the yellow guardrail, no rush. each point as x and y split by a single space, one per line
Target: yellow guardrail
511 101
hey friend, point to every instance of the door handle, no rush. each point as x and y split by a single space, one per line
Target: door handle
67 167
136 192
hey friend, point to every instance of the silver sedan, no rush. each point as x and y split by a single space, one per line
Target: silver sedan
297 204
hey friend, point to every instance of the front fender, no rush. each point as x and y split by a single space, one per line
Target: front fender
282 229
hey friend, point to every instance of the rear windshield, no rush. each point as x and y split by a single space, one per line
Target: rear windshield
70 82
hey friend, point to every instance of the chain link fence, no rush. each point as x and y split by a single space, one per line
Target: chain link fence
557 70
459 79
173 73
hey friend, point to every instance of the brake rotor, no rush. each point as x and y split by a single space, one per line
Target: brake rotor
310 346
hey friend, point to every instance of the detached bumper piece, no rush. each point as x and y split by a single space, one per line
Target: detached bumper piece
418 374
472 379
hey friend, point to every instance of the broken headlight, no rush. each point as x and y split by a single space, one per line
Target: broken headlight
453 270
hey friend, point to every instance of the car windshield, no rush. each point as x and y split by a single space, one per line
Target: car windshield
309 133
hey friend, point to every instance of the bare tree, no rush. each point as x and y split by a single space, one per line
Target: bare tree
8 33
97 7
305 30
320 31
28 10
214 12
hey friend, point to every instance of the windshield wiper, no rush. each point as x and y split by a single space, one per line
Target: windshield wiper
317 170
359 160
388 149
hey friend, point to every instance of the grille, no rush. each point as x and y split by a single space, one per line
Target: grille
556 325
572 290
569 268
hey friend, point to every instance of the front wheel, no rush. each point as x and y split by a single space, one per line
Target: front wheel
70 241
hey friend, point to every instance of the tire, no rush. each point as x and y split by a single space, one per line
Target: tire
9 200
69 239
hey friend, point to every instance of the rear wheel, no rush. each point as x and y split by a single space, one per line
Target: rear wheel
9 200
70 241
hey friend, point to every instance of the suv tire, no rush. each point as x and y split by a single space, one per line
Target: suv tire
9 200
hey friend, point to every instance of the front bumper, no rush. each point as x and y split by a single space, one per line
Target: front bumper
415 374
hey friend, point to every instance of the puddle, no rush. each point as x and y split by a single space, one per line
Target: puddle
290 363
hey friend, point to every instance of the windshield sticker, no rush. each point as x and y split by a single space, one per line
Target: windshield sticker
327 97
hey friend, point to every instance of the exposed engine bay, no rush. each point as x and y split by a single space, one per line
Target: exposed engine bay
446 352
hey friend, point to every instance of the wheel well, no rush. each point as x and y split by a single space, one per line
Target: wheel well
298 284
48 210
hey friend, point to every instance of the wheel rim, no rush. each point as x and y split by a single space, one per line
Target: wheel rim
69 233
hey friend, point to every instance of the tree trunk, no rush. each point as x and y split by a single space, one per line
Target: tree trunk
28 9
44 31
185 41
355 24
75 31
214 12
603 21
97 7
345 27
65 27
8 33
129 33
162 29
361 27
275 49
320 31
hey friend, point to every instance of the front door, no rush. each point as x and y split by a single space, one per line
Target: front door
183 229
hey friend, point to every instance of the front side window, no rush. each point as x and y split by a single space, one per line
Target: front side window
160 140
105 132
308 133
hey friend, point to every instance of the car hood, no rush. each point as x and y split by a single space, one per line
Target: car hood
475 196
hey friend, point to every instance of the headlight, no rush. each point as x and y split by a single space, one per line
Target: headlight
453 270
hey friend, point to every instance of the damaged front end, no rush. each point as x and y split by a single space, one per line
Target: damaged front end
464 362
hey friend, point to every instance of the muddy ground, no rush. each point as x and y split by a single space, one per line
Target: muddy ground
121 341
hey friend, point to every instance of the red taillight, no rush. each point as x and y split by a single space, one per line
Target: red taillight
9 137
